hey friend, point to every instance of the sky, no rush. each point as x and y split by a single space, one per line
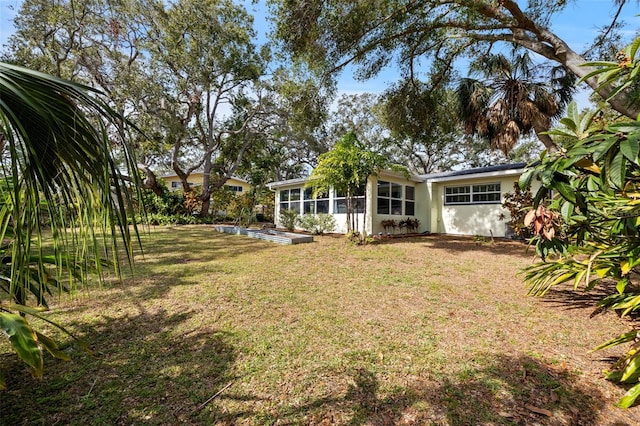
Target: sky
577 25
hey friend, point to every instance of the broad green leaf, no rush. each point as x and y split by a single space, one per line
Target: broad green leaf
630 397
631 368
23 340
51 346
623 338
567 192
617 170
630 147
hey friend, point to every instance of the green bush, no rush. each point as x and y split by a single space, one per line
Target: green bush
317 224
288 219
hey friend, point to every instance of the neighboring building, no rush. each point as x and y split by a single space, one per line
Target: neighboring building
466 202
234 184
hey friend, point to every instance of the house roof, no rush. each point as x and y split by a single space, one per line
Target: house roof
477 172
281 183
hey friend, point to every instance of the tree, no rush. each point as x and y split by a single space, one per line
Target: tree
187 73
512 99
423 133
588 235
334 33
58 173
346 168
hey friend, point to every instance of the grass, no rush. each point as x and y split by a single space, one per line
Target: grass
430 330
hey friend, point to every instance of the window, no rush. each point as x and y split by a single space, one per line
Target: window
409 200
486 193
233 188
317 205
175 185
290 199
389 198
340 201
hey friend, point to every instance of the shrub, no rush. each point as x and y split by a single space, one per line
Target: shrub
317 224
389 224
288 219
518 203
410 225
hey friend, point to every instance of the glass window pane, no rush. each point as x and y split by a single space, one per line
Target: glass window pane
384 189
322 206
284 195
383 206
309 207
409 208
308 193
359 205
396 206
360 191
340 206
284 206
294 195
295 207
409 193
396 190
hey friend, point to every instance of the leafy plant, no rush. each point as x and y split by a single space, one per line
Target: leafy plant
410 225
518 203
389 225
58 154
589 235
317 224
288 219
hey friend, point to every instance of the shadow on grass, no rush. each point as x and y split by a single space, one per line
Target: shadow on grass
141 373
184 245
499 390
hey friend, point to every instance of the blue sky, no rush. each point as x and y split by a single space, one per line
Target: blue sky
577 25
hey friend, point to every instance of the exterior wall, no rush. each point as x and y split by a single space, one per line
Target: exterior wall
471 219
374 221
475 218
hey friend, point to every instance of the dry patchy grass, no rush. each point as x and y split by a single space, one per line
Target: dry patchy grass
430 330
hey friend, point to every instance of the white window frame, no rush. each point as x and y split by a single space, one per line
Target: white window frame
475 193
285 202
339 199
390 198
308 200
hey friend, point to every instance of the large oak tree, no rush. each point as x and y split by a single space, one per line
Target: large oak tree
428 34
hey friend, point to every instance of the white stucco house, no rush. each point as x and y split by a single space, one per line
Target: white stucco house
465 202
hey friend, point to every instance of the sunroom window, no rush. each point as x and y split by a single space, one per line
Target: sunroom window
317 205
389 198
290 199
340 201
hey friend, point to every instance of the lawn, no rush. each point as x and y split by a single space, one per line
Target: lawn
223 329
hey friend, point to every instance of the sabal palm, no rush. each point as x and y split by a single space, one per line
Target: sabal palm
510 99
58 181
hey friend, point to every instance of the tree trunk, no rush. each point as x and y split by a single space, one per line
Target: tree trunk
150 181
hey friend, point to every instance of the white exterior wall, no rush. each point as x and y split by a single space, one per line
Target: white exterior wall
471 219
374 221
430 208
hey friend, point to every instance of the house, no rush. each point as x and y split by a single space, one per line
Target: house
234 184
464 202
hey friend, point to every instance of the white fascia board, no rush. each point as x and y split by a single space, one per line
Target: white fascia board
285 183
499 173
389 173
